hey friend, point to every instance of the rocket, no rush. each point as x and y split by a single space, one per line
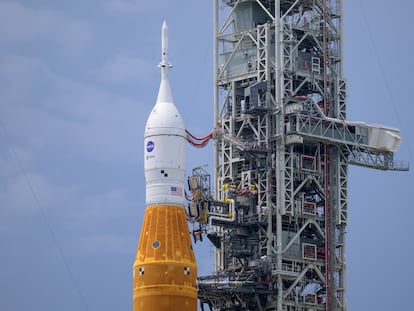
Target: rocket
165 270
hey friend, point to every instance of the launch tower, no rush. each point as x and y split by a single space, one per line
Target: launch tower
282 148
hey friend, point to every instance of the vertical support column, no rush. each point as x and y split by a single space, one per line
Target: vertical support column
338 223
215 90
280 153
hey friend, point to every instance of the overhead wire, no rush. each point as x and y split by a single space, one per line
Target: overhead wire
44 216
382 72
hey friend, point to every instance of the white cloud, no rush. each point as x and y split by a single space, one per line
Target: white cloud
22 24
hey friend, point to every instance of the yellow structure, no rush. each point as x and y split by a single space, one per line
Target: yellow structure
165 269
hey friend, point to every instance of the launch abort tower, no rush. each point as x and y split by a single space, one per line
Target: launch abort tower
283 145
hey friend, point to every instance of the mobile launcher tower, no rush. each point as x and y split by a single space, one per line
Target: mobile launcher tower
282 149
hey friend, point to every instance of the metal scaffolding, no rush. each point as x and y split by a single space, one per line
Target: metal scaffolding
282 149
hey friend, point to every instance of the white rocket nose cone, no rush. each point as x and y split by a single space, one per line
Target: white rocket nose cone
164 39
164 142
164 92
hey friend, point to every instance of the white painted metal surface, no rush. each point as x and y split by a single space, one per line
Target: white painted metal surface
164 142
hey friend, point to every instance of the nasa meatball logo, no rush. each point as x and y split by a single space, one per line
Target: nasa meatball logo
150 146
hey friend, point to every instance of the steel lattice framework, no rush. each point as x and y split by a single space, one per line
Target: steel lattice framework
282 150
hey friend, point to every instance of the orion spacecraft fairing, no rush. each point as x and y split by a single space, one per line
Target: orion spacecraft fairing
164 271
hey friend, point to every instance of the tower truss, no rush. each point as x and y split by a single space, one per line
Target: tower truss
282 149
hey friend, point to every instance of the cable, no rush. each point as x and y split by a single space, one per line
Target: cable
198 142
208 136
43 214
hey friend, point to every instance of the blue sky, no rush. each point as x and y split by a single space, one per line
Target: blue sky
77 82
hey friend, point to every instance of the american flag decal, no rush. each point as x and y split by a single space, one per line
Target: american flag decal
177 191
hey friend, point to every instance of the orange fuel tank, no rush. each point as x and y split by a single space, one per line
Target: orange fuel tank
165 270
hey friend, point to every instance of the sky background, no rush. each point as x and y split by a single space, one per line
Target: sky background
78 80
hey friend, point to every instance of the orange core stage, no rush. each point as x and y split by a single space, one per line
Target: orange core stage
165 269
